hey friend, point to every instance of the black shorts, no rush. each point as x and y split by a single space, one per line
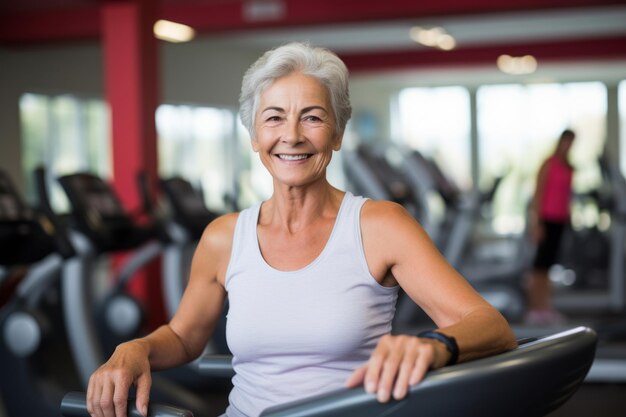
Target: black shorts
548 248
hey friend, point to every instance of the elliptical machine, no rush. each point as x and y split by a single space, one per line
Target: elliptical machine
33 358
182 224
101 226
187 219
600 255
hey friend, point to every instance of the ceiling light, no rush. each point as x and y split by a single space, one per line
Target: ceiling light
446 42
414 33
264 10
429 37
173 32
435 37
522 65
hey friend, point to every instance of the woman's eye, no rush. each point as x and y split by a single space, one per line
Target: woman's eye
312 118
273 119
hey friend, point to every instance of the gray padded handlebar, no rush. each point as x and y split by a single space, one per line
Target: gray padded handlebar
531 380
74 405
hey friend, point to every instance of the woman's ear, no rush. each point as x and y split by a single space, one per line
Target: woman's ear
337 141
255 144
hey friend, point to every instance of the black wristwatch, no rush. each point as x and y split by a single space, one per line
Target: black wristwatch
449 341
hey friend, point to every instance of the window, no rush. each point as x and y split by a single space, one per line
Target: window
65 134
205 145
436 122
197 143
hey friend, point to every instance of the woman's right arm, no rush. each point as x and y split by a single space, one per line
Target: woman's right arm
173 344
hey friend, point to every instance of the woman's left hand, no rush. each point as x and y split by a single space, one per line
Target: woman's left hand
397 363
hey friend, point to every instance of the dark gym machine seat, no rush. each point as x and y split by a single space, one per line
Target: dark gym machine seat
532 380
100 225
187 206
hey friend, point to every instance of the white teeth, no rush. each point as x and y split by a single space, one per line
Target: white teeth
293 157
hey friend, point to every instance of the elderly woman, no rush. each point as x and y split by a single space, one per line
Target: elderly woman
312 274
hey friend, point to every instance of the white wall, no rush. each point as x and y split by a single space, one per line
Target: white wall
204 72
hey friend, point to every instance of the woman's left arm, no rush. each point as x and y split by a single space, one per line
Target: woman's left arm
395 244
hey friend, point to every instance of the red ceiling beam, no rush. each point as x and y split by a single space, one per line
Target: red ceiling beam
219 15
231 15
564 50
58 25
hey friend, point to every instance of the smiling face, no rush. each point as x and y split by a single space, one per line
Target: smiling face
295 130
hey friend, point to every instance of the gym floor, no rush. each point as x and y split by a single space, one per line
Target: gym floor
595 400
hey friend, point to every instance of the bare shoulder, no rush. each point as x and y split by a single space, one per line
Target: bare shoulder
224 224
391 229
218 235
385 214
389 222
216 242
544 165
213 251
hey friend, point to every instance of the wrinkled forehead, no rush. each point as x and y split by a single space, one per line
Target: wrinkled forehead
295 89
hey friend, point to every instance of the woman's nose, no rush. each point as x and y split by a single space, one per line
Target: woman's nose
292 133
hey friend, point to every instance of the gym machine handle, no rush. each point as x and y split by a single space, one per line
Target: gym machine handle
75 405
216 366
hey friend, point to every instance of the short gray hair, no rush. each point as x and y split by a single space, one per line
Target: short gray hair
316 62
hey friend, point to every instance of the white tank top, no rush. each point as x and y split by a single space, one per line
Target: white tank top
301 333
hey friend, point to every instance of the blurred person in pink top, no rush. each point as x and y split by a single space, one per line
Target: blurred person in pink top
549 215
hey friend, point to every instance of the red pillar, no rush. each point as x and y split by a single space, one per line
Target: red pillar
132 90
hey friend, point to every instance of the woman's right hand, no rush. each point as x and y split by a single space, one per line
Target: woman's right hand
107 393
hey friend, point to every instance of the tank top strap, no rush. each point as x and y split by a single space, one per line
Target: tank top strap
347 229
244 237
